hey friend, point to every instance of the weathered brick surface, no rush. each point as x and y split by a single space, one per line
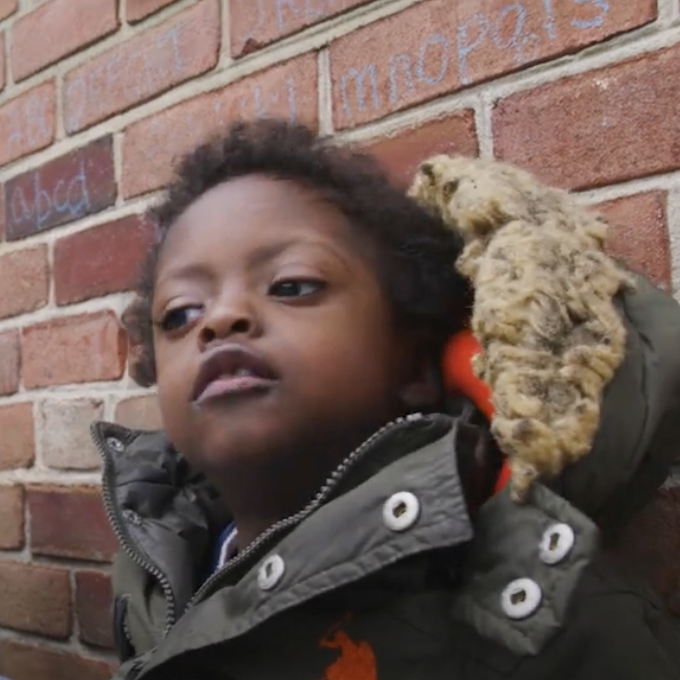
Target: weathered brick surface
101 260
7 8
401 154
429 50
57 526
22 661
10 358
11 517
151 146
136 10
63 190
585 131
253 25
3 71
93 600
56 29
83 348
24 281
17 443
143 67
141 413
35 599
64 433
2 215
27 122
639 234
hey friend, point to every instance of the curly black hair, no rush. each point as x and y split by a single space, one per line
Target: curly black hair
415 250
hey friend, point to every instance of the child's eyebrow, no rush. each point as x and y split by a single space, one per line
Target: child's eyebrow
271 251
259 258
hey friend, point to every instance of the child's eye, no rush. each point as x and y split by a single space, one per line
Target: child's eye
174 319
292 288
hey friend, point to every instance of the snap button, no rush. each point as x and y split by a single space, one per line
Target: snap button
521 598
401 511
556 544
132 517
115 444
271 572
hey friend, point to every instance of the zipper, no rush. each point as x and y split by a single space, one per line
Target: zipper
293 520
127 543
262 540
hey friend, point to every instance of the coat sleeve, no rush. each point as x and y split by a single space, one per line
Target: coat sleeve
138 609
638 439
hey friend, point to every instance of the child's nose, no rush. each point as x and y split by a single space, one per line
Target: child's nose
225 320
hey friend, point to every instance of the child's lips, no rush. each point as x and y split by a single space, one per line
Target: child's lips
234 385
231 369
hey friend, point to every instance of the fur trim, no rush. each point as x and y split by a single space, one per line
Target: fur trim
544 309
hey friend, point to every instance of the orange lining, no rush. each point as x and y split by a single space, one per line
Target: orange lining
459 377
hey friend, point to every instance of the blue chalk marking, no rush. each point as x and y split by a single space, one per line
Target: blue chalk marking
595 22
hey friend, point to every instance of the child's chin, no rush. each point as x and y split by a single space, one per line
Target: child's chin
230 442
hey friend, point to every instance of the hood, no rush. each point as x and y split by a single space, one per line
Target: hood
580 356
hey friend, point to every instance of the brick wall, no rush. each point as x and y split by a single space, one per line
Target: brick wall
98 96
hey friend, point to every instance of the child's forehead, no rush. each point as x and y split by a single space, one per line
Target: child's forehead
258 218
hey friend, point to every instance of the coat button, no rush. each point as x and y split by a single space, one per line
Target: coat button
271 572
521 598
401 511
556 544
115 444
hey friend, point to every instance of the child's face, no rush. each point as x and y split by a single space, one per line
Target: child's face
271 282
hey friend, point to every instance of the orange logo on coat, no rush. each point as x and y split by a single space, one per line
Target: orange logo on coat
356 660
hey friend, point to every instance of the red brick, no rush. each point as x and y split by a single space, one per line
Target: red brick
255 24
35 599
139 413
10 362
93 598
429 49
7 8
12 517
84 348
151 146
17 444
3 77
57 526
65 189
21 661
136 10
2 213
401 153
56 29
639 234
143 67
102 260
28 122
601 127
24 281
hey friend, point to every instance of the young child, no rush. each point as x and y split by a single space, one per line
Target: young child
315 508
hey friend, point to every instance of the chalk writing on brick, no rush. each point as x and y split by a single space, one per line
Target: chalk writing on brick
138 73
285 16
27 123
60 191
30 124
446 56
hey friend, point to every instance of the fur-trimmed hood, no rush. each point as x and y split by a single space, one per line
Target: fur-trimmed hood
581 356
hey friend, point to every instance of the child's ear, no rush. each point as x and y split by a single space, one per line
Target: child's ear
423 391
